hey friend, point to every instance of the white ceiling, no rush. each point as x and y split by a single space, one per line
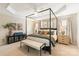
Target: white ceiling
24 9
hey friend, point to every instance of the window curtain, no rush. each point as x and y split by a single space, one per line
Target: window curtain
68 24
72 28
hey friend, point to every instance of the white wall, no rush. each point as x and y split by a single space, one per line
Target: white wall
7 19
30 24
19 20
4 19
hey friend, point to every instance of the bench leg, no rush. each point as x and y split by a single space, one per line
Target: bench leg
20 44
40 51
45 49
28 48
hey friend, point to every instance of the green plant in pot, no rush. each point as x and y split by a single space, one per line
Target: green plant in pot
63 32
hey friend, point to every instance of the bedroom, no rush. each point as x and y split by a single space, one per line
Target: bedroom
66 34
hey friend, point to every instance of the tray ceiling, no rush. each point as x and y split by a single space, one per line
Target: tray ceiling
24 9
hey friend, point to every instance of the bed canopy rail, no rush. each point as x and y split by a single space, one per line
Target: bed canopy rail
48 28
56 22
38 12
50 17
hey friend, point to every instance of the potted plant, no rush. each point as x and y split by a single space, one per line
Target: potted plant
62 32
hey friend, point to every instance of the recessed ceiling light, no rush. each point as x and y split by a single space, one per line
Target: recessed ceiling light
10 9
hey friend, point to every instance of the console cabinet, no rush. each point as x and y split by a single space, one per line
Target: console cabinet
15 38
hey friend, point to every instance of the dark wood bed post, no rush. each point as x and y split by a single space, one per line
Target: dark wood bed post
51 12
50 29
26 26
56 24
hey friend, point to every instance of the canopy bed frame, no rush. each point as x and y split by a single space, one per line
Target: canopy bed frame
50 15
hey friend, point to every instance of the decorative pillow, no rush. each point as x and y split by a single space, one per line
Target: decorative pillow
45 32
41 32
52 32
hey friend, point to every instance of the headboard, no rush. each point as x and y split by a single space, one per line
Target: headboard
45 31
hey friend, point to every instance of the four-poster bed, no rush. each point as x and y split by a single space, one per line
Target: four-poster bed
44 39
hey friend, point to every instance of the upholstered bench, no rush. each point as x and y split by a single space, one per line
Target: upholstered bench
33 44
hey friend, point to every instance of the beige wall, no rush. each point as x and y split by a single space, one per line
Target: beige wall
7 19
4 19
30 26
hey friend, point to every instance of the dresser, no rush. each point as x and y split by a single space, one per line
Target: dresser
63 39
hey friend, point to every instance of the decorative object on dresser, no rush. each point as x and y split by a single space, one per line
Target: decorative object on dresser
64 39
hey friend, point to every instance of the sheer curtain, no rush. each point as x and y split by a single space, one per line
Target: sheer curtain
72 28
68 24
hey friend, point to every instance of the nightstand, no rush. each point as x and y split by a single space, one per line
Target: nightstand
63 39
